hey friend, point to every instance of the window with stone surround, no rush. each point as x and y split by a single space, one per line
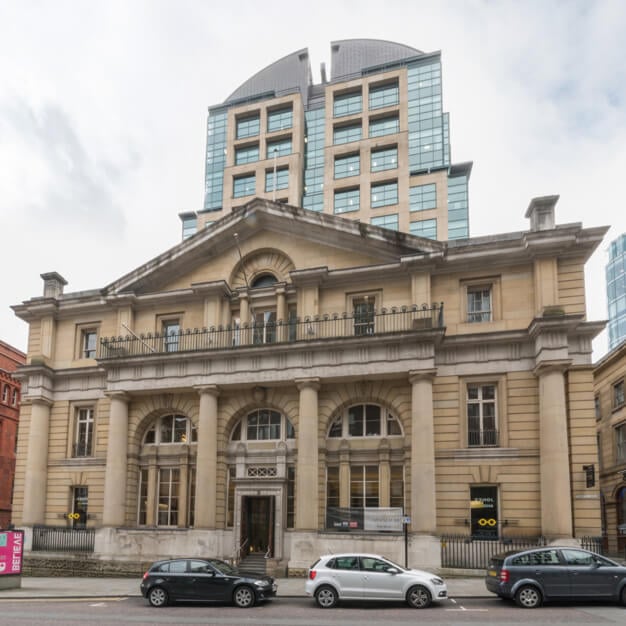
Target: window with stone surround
618 394
263 425
481 403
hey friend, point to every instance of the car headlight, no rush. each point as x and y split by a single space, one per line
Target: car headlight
436 581
261 583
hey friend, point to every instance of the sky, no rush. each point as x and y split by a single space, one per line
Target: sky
103 110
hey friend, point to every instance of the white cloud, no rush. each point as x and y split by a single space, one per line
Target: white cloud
103 113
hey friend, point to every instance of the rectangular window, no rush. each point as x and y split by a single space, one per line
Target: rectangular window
191 497
142 513
248 127
423 197
364 315
190 226
348 200
169 481
620 443
281 176
384 194
80 500
384 96
279 119
291 496
281 147
484 512
386 221
346 166
386 159
481 416
347 104
396 487
618 394
332 487
246 154
597 407
230 497
264 327
89 341
171 335
384 126
364 486
244 185
424 228
479 303
83 433
346 134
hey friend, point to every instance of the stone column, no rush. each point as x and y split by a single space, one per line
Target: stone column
423 490
307 478
281 314
36 471
116 472
206 459
556 494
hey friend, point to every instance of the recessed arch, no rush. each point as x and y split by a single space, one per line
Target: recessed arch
265 261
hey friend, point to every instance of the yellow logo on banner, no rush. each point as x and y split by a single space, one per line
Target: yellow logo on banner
73 515
484 521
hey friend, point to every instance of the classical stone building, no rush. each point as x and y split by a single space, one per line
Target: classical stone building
290 382
10 359
609 381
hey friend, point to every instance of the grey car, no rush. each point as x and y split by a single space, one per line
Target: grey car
531 577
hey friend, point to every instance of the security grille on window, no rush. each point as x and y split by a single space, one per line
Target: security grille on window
481 416
83 438
479 304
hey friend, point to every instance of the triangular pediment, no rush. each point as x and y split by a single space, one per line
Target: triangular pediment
266 233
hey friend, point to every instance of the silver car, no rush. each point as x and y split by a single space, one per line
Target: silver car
337 577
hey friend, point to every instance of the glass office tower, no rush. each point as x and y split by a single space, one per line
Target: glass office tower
369 143
616 291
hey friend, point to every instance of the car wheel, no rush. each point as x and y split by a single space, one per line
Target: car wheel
157 596
528 597
326 597
243 597
418 597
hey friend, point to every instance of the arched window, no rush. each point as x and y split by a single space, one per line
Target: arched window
264 280
365 420
161 492
171 429
263 425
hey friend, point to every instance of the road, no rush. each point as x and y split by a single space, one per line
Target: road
299 612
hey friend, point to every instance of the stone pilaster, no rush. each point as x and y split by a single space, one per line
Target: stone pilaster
206 460
423 490
116 472
307 467
36 475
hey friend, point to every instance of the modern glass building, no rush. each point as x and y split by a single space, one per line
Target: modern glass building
370 142
616 291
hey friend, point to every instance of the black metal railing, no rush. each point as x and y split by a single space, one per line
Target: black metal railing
63 539
466 552
331 326
81 449
482 438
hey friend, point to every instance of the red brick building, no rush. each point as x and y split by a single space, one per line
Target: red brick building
10 360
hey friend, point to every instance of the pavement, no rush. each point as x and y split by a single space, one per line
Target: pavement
34 587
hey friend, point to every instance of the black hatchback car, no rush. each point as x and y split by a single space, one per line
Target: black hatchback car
531 577
204 580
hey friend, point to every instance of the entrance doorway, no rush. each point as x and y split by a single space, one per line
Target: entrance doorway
257 524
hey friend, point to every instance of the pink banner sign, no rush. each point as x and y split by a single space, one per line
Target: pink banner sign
11 550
